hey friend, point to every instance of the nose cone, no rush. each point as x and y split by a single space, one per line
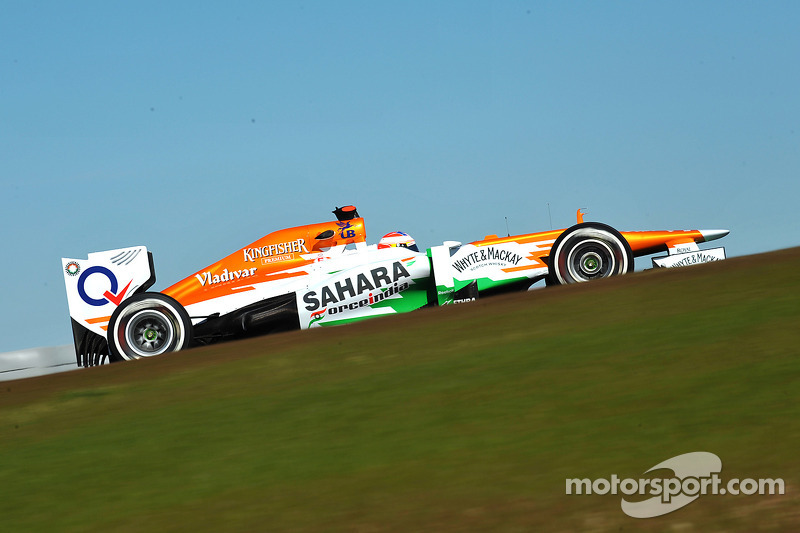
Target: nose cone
713 234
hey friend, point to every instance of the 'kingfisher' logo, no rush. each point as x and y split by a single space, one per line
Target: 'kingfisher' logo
108 296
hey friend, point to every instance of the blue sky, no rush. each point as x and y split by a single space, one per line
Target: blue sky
197 127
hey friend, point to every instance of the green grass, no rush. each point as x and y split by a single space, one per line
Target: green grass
467 418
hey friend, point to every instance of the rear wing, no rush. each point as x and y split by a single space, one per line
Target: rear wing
95 287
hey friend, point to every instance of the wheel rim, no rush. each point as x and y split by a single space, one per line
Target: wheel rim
148 325
591 263
149 333
591 259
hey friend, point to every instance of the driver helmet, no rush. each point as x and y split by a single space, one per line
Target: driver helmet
398 238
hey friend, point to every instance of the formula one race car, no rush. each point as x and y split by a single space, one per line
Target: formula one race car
325 274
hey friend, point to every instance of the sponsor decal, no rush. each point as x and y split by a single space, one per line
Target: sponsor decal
344 230
695 259
276 258
684 249
206 278
355 286
73 268
692 258
485 257
372 298
108 296
284 249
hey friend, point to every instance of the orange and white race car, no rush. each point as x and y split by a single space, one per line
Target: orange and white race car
326 274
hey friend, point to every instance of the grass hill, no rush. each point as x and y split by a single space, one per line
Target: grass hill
468 418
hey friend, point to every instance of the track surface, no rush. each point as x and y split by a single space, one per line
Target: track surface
467 418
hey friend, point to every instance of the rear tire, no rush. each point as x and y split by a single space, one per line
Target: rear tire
586 252
146 325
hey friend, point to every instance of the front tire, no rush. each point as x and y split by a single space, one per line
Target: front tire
146 325
588 251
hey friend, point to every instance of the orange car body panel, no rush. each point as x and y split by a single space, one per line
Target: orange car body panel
275 256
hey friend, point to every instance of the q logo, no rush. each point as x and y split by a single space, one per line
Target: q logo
108 296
